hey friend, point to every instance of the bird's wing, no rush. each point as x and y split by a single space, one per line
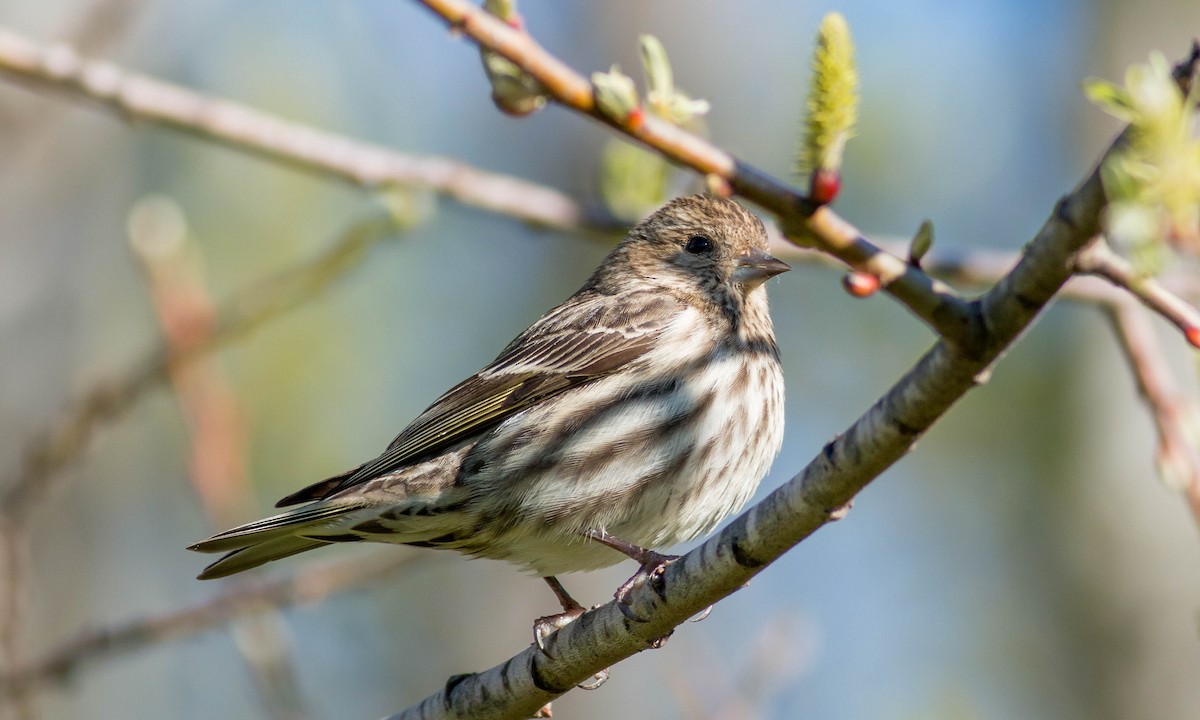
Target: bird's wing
577 342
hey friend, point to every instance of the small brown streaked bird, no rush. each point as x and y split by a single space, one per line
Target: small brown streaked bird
638 414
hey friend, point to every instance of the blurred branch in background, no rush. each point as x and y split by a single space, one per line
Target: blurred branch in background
66 441
94 29
137 98
1176 416
244 311
174 271
312 583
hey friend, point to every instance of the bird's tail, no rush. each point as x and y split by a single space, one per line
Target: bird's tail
278 536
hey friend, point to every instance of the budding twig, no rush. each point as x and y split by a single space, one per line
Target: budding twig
1174 417
1100 260
931 300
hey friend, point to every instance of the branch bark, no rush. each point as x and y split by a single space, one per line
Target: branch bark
601 637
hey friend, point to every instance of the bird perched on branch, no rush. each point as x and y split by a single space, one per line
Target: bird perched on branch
638 414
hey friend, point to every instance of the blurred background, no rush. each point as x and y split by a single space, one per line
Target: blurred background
1024 561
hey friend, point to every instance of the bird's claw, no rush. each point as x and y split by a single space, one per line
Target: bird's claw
702 614
595 681
545 626
653 567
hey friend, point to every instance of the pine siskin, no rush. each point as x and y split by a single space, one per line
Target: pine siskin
637 414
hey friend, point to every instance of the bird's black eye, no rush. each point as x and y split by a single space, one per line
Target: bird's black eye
698 244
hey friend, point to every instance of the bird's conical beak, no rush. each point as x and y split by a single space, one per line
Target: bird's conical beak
755 268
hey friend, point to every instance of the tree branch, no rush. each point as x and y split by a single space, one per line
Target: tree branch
1174 417
929 299
525 683
243 312
251 595
141 99
1100 260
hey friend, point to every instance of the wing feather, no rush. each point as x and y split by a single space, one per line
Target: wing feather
584 339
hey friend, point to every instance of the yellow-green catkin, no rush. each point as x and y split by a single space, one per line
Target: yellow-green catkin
832 98
1153 182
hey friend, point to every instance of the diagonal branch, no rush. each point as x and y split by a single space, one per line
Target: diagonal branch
146 100
929 299
601 637
525 683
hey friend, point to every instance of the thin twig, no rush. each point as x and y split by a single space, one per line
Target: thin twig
312 583
1100 260
137 98
218 471
931 300
243 312
1175 419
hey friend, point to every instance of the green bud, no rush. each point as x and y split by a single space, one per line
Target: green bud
616 95
514 91
921 243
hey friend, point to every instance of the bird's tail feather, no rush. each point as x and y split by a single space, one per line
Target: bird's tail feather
276 537
254 555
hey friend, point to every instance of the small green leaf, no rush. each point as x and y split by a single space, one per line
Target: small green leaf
661 96
1112 98
659 78
921 243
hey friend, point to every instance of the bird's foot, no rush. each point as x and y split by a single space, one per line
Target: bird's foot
594 681
543 627
653 565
